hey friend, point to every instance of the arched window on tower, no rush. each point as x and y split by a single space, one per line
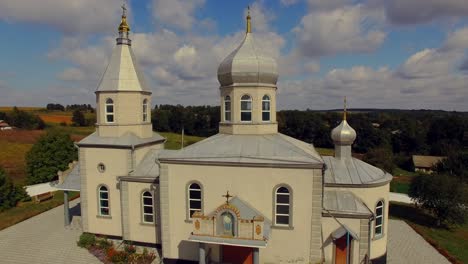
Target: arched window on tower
147 207
194 199
266 108
109 110
145 110
379 219
246 108
227 108
103 197
282 206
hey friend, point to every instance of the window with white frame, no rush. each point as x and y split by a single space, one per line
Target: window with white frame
147 207
282 206
103 201
379 218
227 108
194 199
109 110
266 108
246 108
145 110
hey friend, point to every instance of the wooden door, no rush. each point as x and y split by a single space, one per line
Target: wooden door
341 250
237 255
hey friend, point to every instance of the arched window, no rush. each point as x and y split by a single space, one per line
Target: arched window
109 110
103 201
282 206
194 199
379 218
227 108
145 110
266 108
246 108
147 207
228 224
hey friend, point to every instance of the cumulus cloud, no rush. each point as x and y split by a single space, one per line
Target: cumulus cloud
84 16
354 28
177 13
423 11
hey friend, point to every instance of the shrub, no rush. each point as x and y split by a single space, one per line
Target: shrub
116 256
86 240
10 194
130 249
104 243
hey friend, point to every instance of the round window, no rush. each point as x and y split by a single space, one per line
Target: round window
101 167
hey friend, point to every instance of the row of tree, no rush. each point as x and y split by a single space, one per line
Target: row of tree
81 107
22 119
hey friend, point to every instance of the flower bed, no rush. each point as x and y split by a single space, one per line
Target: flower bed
105 251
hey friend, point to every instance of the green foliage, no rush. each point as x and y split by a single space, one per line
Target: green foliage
442 195
58 107
456 165
10 194
381 158
78 118
104 243
50 154
86 240
23 119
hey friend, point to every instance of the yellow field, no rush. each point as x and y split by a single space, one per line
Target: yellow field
24 108
48 118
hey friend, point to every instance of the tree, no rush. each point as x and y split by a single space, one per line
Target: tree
23 119
51 153
380 157
10 194
78 118
456 165
442 195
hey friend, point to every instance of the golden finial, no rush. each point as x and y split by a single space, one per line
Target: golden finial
249 23
344 112
123 27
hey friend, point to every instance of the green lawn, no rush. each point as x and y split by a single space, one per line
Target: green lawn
325 151
451 242
27 210
174 141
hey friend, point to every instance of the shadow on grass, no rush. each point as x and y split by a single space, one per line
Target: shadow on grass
413 214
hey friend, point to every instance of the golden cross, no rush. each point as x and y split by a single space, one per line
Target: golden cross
227 195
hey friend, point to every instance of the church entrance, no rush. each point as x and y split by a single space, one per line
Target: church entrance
343 250
237 255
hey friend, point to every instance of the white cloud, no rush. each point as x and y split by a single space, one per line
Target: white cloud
289 2
177 13
84 16
342 30
72 74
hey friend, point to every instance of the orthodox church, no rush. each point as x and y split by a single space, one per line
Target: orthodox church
245 195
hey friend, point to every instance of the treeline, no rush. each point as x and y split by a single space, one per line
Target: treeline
22 119
73 107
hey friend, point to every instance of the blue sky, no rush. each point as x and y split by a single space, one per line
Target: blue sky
407 54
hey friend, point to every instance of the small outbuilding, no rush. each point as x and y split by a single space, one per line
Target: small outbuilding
426 163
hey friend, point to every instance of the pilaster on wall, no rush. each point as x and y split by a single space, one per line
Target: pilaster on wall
364 239
124 210
83 190
164 213
316 221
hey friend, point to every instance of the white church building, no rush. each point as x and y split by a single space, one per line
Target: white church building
245 195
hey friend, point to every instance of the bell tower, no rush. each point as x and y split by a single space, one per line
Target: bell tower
122 98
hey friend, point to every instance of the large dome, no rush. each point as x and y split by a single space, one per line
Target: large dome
247 65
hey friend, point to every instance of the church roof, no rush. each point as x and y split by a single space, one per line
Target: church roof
73 180
343 203
147 166
271 150
351 171
426 161
127 140
122 73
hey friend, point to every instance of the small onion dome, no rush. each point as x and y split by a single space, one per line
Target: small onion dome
343 134
247 65
124 27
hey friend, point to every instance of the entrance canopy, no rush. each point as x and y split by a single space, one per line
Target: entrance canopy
341 231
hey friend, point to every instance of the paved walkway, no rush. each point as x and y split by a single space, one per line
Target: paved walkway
400 197
407 246
44 239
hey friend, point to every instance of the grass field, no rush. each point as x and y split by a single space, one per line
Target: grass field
174 141
28 108
451 242
27 210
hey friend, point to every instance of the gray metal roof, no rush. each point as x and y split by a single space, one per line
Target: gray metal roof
352 171
72 181
267 149
344 203
127 140
148 166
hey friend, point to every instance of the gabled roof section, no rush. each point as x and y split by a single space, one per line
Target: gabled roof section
272 150
344 203
122 72
351 171
72 181
426 161
148 167
128 140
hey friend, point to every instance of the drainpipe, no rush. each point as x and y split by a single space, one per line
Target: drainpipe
66 208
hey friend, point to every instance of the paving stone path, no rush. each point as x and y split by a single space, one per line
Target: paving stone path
407 246
44 239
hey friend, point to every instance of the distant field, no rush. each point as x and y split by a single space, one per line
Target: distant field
28 108
48 118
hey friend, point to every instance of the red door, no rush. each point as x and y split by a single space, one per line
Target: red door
341 250
237 255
